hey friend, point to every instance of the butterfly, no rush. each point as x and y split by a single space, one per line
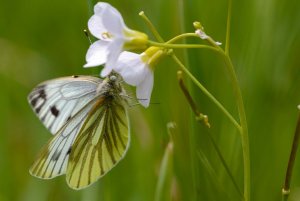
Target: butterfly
88 118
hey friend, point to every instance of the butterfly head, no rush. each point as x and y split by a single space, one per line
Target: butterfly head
111 85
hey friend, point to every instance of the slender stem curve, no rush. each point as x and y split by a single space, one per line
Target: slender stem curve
198 114
151 27
182 36
206 92
175 46
243 122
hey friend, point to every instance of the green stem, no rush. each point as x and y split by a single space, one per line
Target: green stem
151 27
243 122
228 27
238 96
182 36
182 46
206 92
163 187
198 114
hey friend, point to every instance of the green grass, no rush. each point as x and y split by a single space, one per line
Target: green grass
41 40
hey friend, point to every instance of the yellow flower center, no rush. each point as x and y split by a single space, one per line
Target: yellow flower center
152 56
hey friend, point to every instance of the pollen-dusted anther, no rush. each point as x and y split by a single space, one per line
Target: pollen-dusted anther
106 35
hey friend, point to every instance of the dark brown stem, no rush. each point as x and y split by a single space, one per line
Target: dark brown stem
289 171
199 115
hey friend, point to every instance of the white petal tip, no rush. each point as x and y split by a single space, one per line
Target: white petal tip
298 107
87 66
105 72
144 103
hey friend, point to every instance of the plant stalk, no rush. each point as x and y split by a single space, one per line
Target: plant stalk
289 171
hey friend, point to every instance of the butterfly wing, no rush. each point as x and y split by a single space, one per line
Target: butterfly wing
79 95
102 142
53 158
58 100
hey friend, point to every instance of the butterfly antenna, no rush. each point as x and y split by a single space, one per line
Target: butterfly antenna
135 104
152 103
126 96
87 34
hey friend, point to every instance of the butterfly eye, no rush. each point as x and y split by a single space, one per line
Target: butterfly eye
113 78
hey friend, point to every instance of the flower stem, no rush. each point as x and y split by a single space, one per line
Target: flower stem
243 122
181 36
182 46
289 171
198 114
163 187
181 65
206 92
151 27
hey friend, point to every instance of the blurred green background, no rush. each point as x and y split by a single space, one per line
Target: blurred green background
41 40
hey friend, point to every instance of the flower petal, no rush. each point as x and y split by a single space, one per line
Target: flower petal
106 19
97 53
109 20
112 20
114 49
96 27
131 68
144 90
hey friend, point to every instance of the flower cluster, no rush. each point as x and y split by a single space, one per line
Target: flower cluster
115 40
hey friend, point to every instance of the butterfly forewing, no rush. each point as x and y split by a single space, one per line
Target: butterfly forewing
58 100
102 142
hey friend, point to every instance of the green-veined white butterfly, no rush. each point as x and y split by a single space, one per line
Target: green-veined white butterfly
88 118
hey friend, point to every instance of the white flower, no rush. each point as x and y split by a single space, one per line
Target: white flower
137 70
108 26
136 73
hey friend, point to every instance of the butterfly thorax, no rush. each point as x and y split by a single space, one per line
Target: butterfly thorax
110 88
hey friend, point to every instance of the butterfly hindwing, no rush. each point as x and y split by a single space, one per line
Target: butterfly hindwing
58 100
79 94
53 158
102 142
